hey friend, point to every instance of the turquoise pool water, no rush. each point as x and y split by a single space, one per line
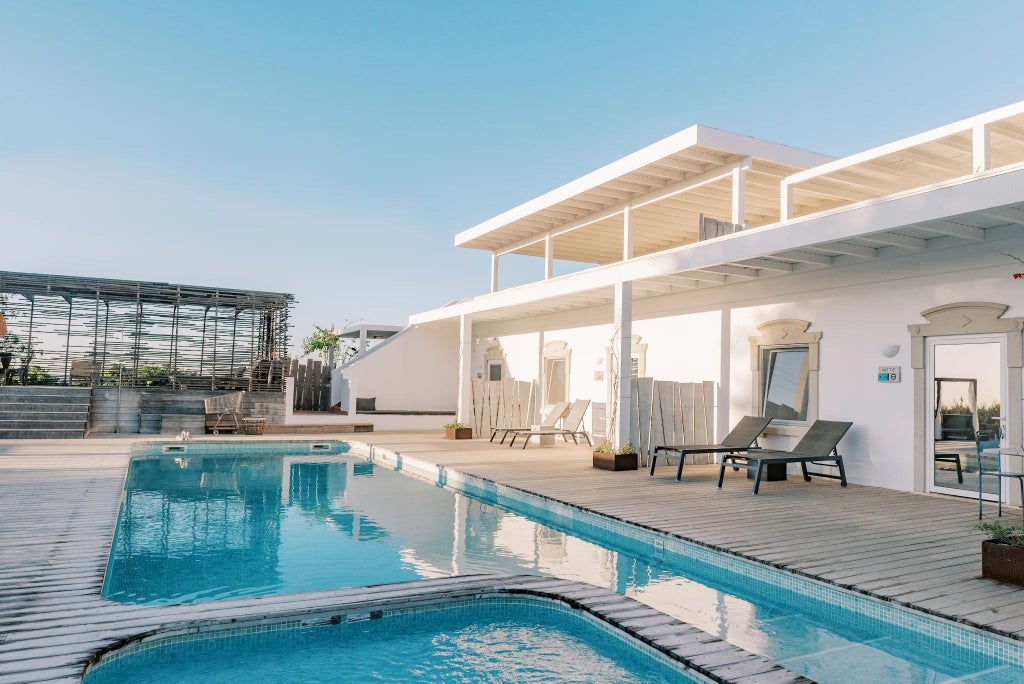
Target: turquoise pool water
509 642
219 525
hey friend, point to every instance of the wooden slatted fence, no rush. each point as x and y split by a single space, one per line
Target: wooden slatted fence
501 403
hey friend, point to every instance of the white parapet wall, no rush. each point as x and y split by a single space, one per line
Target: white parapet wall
413 371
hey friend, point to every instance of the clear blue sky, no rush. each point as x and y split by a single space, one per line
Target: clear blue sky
334 149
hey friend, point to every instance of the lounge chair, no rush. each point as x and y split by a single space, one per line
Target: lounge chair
818 446
554 415
570 426
741 438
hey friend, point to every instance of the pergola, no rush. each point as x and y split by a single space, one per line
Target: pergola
135 332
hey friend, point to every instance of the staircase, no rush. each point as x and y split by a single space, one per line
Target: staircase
44 412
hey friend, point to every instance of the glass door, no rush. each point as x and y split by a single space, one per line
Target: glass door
966 390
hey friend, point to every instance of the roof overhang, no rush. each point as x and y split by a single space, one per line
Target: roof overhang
940 216
692 160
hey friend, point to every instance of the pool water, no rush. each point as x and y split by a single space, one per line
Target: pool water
481 643
210 527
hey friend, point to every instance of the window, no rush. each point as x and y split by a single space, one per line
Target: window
555 380
494 370
556 372
784 368
786 372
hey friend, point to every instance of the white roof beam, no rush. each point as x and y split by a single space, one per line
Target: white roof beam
642 286
849 249
806 257
678 164
1007 130
1010 216
762 264
726 269
707 157
954 229
897 240
679 281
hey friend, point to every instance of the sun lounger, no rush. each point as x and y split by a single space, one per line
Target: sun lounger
570 426
818 446
554 415
741 438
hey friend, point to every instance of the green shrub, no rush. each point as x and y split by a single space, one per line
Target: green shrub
606 447
454 426
1004 534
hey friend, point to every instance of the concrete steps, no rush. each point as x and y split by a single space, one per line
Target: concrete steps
44 412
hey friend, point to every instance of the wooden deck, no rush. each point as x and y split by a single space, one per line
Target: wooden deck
59 499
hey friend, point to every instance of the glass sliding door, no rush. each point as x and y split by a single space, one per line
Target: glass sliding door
966 393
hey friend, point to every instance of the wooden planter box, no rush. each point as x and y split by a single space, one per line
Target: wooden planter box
615 461
458 433
1002 562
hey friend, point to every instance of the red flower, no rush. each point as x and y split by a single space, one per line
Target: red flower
1018 276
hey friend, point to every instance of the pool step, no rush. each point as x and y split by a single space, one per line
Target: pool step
44 412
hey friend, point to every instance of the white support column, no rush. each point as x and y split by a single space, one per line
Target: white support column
739 176
785 201
549 256
539 400
623 322
494 271
362 339
722 420
982 150
627 233
465 401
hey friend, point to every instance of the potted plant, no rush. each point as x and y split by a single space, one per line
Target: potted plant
457 431
1002 554
608 457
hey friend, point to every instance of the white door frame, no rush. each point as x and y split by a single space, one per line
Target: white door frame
942 340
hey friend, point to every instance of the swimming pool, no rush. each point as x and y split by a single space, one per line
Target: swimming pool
206 525
504 640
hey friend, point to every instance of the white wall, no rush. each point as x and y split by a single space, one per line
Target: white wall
685 348
858 308
417 370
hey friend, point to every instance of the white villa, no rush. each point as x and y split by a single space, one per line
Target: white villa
774 278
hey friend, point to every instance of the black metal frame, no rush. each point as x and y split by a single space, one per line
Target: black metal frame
140 333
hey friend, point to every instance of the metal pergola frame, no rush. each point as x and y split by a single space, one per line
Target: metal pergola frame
138 333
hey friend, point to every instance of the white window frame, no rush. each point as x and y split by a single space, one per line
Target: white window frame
779 334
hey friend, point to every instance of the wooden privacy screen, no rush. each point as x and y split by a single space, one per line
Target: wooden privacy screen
665 413
312 386
501 403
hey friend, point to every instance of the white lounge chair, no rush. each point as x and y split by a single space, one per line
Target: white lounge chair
554 415
570 426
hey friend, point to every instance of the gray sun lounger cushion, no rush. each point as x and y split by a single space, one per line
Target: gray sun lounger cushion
741 438
818 446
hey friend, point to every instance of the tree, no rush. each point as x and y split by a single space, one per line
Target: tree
327 343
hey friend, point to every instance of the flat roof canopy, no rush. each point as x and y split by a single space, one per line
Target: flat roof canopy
667 185
108 290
